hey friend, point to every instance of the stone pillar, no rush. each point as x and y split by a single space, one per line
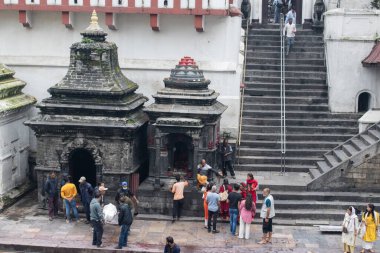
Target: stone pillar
157 165
196 159
307 13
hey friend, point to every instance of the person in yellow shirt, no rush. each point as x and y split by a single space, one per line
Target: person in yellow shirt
371 220
68 193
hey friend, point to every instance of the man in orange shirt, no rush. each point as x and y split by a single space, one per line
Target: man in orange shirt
178 198
68 193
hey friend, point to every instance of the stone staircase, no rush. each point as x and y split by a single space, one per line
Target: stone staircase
312 130
351 153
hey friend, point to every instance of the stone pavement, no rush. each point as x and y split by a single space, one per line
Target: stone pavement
23 228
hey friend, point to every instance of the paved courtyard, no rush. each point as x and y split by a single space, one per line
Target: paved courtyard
25 224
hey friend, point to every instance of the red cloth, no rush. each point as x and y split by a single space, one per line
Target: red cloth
251 186
224 206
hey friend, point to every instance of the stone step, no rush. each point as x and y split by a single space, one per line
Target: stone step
300 129
277 67
276 159
253 50
269 152
289 144
288 74
310 100
325 196
295 137
277 31
277 43
298 114
289 80
272 167
289 107
300 122
276 86
310 204
277 61
277 37
316 214
290 93
292 55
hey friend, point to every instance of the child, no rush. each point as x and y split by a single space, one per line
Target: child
243 190
204 197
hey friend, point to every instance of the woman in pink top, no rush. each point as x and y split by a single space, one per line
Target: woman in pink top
247 212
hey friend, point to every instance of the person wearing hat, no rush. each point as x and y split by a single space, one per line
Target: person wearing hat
101 189
125 191
86 195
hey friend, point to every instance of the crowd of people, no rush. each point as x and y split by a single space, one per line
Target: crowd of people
92 199
235 203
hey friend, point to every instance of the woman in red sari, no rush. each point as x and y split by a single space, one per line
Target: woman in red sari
224 206
252 186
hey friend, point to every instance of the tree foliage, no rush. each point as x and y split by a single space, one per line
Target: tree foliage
375 4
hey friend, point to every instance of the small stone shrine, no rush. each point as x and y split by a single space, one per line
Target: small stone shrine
93 124
183 129
14 136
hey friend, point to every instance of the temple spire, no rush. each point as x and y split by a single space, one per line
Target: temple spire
94 31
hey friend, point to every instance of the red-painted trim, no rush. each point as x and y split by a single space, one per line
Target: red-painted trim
176 4
109 21
66 19
198 23
23 19
107 9
154 22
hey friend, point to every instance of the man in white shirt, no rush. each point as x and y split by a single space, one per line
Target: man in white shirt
290 32
291 15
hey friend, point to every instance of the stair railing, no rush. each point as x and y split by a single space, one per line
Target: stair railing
283 97
242 88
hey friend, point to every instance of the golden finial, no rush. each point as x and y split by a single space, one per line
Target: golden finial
94 18
94 25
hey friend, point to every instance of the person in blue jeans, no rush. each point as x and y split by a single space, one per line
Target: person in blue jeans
125 220
234 199
68 194
277 10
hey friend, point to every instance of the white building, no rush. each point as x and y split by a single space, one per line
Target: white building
151 37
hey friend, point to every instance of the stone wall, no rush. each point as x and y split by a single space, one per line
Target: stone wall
366 176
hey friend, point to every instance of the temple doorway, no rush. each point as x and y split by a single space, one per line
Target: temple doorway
181 153
81 163
364 102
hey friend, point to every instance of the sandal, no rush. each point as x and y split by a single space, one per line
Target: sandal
262 242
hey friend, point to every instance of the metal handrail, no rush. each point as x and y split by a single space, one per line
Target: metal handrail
283 97
242 89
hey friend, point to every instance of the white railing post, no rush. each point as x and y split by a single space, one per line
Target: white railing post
282 97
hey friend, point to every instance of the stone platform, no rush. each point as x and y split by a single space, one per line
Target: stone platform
25 229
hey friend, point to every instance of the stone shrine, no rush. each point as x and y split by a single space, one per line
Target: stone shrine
93 124
183 129
14 136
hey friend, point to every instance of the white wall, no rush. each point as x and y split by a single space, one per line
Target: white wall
348 4
14 148
40 55
349 38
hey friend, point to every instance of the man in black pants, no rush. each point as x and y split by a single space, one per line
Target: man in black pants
178 199
213 203
97 220
227 159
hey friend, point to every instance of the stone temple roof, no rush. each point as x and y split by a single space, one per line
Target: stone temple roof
11 97
186 95
94 88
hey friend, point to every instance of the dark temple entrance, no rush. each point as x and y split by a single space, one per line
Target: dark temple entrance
181 153
81 163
